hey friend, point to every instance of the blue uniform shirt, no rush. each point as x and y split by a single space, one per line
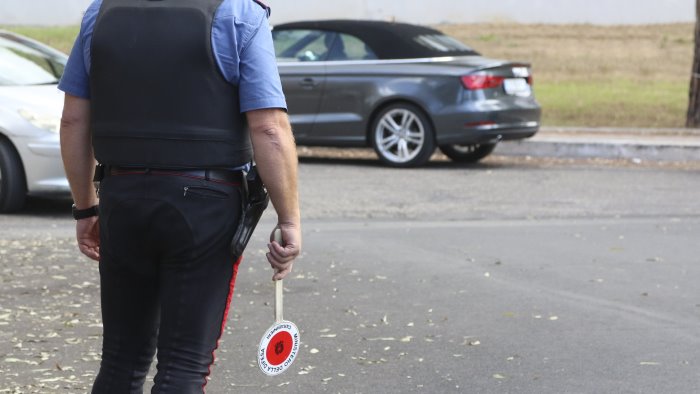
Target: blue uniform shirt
241 43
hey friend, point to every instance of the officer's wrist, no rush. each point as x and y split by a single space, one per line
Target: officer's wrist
79 214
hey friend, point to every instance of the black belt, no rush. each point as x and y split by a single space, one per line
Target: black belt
214 175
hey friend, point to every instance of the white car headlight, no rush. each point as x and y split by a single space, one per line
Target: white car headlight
47 122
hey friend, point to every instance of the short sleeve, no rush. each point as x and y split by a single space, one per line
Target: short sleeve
76 78
260 86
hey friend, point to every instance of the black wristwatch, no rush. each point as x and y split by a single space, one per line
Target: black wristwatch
84 213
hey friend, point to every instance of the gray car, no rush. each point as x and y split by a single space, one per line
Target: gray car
30 113
402 89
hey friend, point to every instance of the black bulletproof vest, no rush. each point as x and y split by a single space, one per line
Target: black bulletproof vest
158 98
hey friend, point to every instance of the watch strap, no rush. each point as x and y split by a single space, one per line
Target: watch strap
79 214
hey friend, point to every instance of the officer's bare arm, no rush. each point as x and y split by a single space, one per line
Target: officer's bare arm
76 150
79 162
276 158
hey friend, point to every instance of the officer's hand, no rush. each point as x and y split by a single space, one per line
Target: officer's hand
88 235
281 257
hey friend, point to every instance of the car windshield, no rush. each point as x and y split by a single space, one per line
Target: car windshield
25 63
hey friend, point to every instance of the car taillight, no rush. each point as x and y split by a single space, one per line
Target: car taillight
481 81
530 81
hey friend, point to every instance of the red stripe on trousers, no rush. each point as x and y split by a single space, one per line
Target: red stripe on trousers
231 286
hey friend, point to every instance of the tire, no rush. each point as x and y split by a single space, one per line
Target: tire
403 136
13 186
467 153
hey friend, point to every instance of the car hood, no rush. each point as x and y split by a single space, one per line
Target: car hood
43 99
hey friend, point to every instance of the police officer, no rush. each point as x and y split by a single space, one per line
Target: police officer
174 98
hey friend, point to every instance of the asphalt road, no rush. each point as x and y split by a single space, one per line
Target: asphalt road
512 276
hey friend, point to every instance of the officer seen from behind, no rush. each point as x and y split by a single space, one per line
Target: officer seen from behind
174 98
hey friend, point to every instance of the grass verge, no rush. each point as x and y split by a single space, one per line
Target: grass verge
618 102
59 37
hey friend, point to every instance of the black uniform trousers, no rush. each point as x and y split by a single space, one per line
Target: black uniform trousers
167 276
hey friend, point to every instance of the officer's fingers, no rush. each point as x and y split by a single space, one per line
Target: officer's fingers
279 275
288 250
278 263
283 254
92 252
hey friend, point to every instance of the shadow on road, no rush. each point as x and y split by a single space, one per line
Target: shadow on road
375 163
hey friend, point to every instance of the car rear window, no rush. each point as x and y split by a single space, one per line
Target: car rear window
443 44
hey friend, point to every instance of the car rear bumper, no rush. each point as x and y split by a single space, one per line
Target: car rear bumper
489 133
488 121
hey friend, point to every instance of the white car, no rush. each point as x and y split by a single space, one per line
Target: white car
30 113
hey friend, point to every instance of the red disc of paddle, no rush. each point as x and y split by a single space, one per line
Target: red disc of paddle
279 348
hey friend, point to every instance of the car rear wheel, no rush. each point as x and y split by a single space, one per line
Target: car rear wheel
467 153
13 189
403 136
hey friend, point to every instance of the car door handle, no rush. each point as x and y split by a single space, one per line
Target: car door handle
308 83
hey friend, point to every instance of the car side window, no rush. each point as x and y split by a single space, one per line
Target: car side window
347 47
303 45
21 64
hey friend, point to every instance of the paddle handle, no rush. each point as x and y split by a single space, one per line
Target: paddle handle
279 286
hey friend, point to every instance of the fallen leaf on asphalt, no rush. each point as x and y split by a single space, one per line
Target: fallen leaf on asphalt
17 360
313 351
498 376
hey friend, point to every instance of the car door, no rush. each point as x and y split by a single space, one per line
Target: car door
342 114
300 56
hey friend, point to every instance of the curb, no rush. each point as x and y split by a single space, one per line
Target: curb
608 143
